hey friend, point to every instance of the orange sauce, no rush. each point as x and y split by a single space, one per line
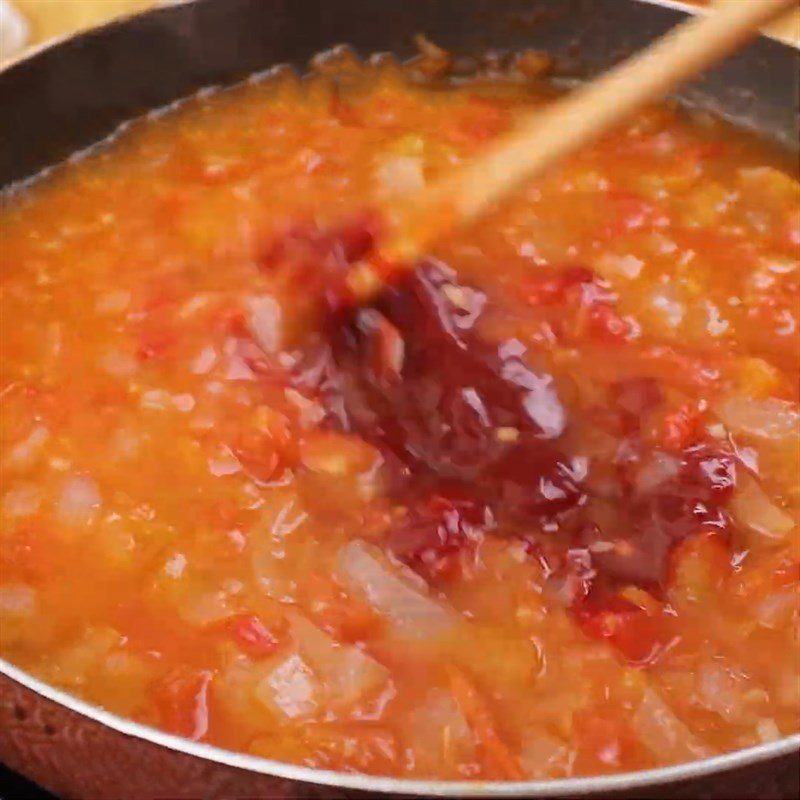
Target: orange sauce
189 540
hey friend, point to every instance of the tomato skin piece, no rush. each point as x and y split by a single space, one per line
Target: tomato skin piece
182 702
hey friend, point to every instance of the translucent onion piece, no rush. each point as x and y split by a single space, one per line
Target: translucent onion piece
411 612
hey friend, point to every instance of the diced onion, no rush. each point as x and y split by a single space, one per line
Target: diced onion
238 370
715 325
779 265
400 175
204 360
14 31
23 453
337 454
155 399
346 673
663 733
441 736
225 463
766 419
80 500
118 364
73 665
672 309
723 690
276 573
626 266
264 322
767 730
206 608
193 305
752 508
545 756
175 565
113 302
412 613
310 411
776 610
771 180
17 600
289 689
22 500
183 402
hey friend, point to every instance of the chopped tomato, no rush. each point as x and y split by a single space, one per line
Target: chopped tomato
348 619
253 636
436 533
609 326
639 634
231 320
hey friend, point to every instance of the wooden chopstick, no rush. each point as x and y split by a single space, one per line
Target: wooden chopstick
545 137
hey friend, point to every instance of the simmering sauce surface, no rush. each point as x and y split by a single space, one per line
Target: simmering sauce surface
222 519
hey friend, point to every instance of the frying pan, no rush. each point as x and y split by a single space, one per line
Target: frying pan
65 97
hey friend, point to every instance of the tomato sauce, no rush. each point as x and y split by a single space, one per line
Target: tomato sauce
530 513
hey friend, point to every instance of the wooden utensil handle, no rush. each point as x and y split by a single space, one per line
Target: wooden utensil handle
544 137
